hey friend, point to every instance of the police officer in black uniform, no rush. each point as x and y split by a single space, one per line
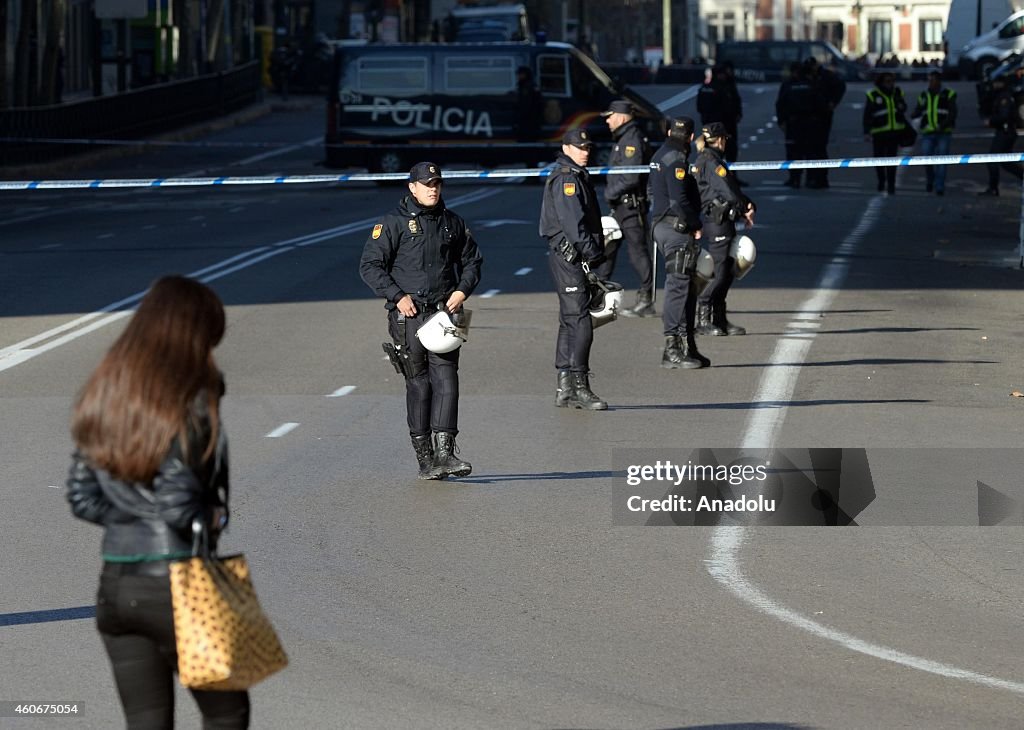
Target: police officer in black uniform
627 199
421 258
722 204
675 213
570 222
799 110
1003 120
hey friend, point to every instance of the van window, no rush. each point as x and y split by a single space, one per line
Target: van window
479 74
821 54
553 78
1013 28
388 75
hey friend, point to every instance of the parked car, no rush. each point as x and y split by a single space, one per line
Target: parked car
760 61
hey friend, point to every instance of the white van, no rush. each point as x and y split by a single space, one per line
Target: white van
988 49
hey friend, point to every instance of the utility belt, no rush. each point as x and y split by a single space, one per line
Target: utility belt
564 250
721 210
678 224
633 201
397 350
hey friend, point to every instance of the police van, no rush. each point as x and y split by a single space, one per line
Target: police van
390 105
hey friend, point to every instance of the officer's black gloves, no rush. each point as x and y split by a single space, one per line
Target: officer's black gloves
682 226
592 278
597 261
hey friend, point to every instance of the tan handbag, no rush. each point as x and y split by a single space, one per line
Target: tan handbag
224 640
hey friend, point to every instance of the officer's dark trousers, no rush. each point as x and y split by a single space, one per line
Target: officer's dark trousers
136 622
717 289
680 305
1003 141
432 392
799 146
818 135
575 328
634 233
886 144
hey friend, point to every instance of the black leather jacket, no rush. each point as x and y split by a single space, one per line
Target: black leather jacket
153 521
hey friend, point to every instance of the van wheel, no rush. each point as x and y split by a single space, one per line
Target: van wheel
389 161
982 67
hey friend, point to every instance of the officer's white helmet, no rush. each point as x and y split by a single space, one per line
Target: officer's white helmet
439 334
743 252
612 229
705 271
605 302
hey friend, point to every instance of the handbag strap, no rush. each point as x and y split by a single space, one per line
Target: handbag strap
200 539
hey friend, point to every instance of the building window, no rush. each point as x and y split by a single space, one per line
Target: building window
831 31
880 37
931 35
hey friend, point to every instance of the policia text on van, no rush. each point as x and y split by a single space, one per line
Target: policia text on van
389 105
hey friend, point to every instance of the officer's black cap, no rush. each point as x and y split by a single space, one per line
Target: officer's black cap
578 138
681 127
619 106
714 130
424 172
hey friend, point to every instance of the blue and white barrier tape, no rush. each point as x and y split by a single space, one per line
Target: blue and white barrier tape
170 182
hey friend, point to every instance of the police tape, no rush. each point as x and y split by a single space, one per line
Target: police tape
168 182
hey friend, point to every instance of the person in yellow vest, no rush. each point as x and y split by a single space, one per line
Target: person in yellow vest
936 107
884 124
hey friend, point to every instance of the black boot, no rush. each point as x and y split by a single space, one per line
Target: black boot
566 389
424 456
644 306
674 357
705 326
446 463
583 396
723 323
688 346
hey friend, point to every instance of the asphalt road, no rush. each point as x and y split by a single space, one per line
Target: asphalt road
509 598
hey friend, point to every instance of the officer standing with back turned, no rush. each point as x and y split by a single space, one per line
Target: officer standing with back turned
570 222
422 259
722 205
675 214
627 200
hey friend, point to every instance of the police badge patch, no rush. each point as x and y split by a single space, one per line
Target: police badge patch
630 150
721 171
680 173
377 229
414 226
569 189
693 169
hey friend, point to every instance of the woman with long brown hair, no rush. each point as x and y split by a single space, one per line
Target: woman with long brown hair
151 456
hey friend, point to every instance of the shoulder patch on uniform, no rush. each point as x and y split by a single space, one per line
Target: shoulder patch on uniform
680 173
694 170
414 226
630 150
721 171
377 229
569 189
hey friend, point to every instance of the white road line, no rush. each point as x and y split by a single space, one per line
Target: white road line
281 430
490 293
24 351
524 271
343 390
239 209
281 151
679 98
50 245
724 563
105 235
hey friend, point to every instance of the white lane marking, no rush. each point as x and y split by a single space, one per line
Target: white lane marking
281 430
23 351
343 390
724 563
281 151
105 235
490 293
524 271
149 226
53 486
679 98
50 245
239 209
